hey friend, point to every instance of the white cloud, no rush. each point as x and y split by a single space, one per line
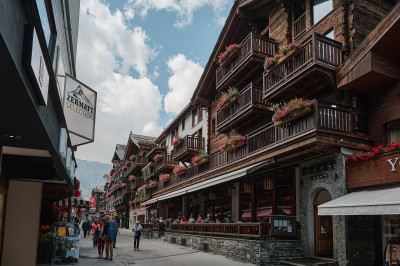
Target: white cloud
183 8
182 83
108 51
152 129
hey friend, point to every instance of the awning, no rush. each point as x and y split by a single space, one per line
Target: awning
377 201
260 213
205 184
73 202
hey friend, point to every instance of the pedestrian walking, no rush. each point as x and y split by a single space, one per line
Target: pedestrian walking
85 228
115 238
109 232
94 228
136 238
100 239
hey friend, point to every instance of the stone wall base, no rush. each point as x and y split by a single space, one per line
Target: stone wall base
260 252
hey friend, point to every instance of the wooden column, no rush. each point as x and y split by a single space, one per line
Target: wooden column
274 203
253 201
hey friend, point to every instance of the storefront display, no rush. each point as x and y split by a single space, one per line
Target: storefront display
66 243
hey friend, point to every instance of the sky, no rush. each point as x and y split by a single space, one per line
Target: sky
144 58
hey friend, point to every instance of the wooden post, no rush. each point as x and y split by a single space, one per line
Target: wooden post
253 201
274 203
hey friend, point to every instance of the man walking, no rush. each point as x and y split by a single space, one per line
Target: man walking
109 233
136 238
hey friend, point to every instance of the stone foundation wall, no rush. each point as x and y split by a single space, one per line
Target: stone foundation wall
260 252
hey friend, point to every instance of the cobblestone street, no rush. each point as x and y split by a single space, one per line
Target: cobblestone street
152 252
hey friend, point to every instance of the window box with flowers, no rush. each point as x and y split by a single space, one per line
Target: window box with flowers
158 157
164 178
377 151
179 170
201 158
132 157
230 53
142 192
146 171
153 184
291 111
227 99
131 178
285 53
177 141
233 142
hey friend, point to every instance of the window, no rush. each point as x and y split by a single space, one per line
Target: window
213 127
183 124
60 73
194 117
48 25
394 133
172 135
330 35
320 9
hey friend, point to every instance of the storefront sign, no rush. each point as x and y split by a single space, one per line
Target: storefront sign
92 202
393 163
34 64
79 110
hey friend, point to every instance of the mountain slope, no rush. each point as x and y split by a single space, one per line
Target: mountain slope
90 174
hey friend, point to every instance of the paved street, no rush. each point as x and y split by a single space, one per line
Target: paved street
152 252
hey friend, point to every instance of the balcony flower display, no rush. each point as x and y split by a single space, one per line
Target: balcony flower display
179 170
364 156
177 141
164 178
153 184
141 192
146 171
123 185
226 56
158 157
131 177
112 169
124 168
232 142
201 158
227 99
132 157
285 53
292 110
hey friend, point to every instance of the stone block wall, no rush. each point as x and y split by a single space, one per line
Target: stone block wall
260 252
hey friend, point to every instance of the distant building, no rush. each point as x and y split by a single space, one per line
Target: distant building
99 194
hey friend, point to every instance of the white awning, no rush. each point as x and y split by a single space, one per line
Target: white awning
377 201
205 184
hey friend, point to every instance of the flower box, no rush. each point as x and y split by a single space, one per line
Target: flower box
283 59
158 157
203 161
177 141
230 53
228 98
228 104
235 146
179 170
230 56
293 116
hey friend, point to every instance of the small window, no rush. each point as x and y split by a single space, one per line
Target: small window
330 34
321 8
194 117
213 127
183 124
394 133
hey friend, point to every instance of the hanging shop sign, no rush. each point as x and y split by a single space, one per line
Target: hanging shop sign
34 64
92 202
79 110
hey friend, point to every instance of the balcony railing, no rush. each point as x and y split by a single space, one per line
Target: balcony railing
324 116
299 26
164 163
137 182
316 49
253 44
189 146
139 162
250 97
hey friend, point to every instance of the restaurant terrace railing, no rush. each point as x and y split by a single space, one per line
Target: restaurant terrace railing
190 144
315 49
253 44
165 162
324 116
249 97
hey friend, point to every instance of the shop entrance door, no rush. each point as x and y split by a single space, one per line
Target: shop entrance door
323 226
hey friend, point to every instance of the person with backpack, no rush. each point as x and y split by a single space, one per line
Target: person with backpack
136 238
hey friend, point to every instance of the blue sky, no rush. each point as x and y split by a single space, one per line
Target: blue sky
144 57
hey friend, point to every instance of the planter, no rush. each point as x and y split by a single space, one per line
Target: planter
178 142
284 59
230 57
235 146
180 172
228 104
158 159
203 161
293 116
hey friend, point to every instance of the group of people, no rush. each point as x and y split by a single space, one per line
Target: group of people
104 232
192 220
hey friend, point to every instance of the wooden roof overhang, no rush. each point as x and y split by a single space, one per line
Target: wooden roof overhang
375 63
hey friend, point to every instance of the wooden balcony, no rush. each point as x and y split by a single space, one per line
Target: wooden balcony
140 162
165 164
190 146
251 56
248 108
136 183
375 171
299 26
309 72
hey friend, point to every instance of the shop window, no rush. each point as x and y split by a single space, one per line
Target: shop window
213 127
394 133
194 117
320 9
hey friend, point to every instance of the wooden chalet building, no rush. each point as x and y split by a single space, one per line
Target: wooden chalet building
263 180
99 197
